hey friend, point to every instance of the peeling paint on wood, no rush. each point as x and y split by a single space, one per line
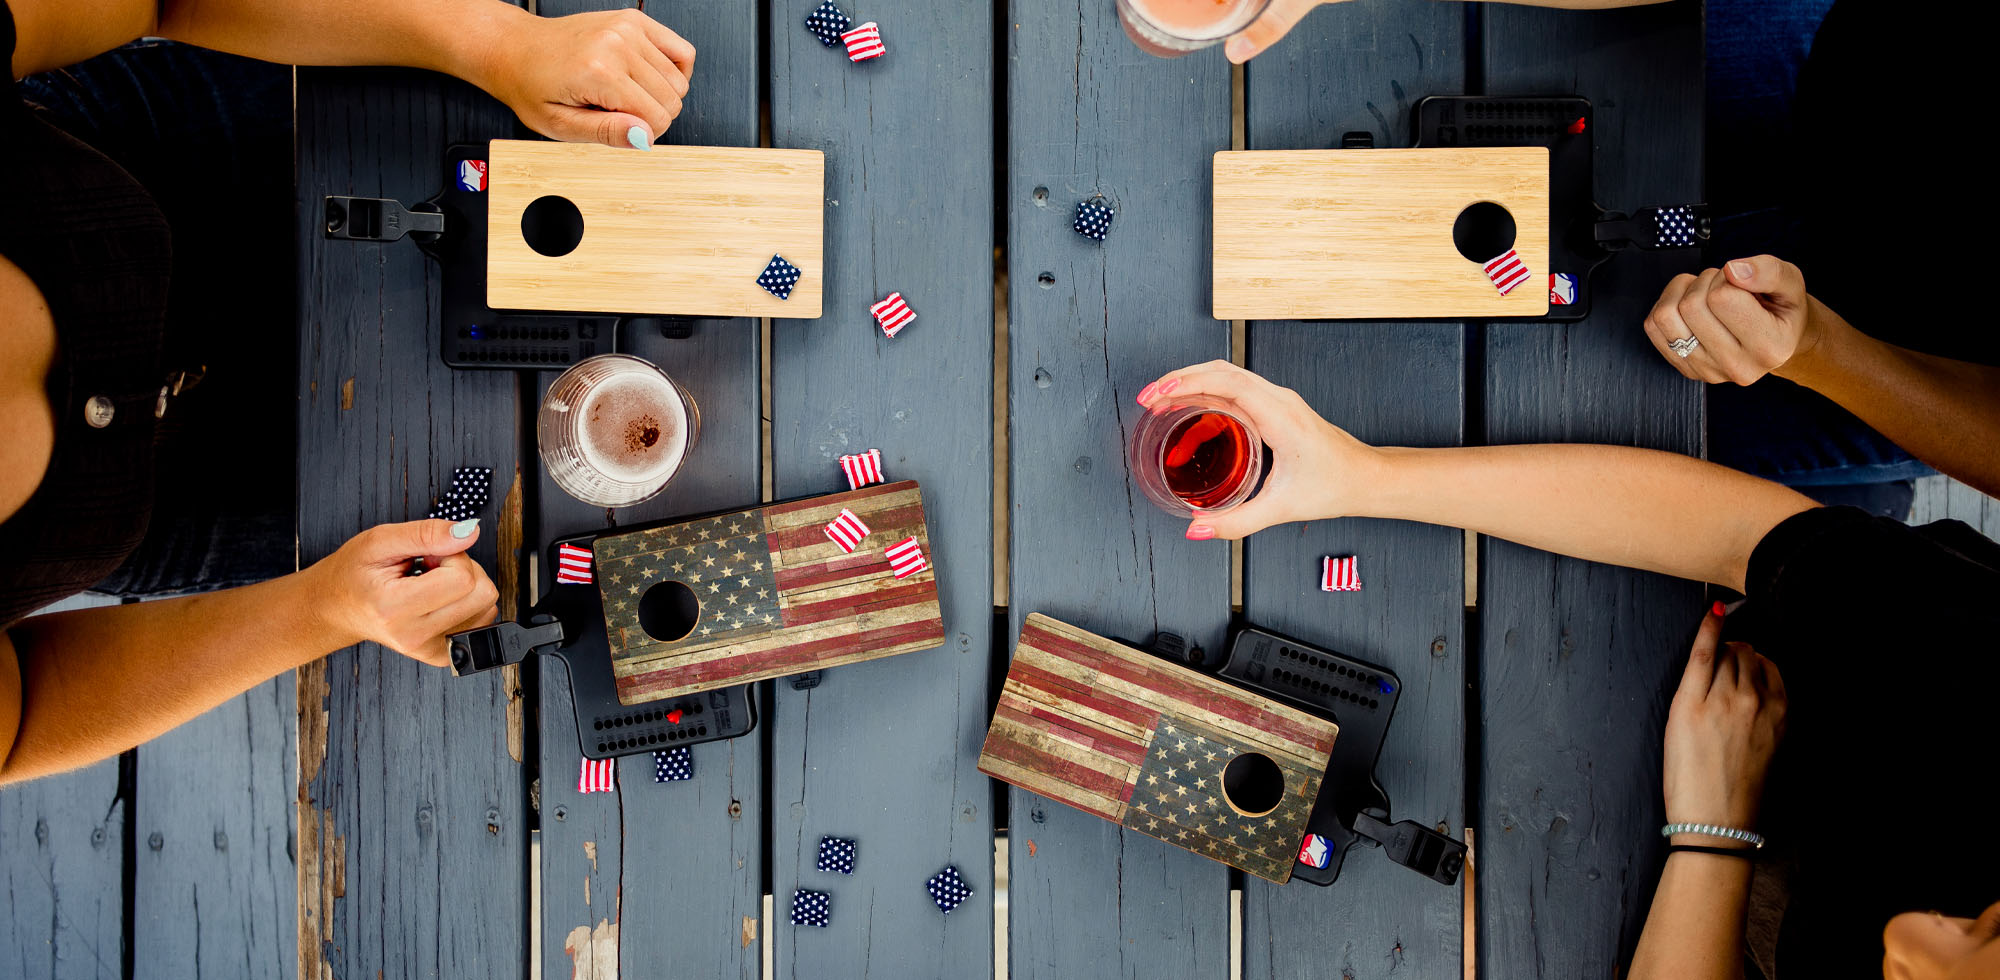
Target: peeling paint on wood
315 915
749 931
593 953
590 851
347 395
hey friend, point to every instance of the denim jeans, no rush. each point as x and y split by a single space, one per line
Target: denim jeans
1774 429
209 136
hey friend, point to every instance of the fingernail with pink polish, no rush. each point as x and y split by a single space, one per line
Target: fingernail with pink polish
1168 388
1147 392
1200 532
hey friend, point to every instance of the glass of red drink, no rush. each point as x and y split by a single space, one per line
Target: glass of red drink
1196 453
1171 28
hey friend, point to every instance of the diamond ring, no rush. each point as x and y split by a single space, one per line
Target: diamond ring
1683 347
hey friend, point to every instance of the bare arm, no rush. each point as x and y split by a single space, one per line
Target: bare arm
1635 507
1753 317
590 76
76 687
1727 719
1945 412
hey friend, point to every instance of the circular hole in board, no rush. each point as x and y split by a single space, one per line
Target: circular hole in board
669 611
552 225
1253 784
1483 231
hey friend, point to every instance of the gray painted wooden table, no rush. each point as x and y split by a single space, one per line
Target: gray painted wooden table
1530 722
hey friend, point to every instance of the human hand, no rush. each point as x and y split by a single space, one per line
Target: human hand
1314 464
1752 318
1275 22
1725 723
370 596
592 77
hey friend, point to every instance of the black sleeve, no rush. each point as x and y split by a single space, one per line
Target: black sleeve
1834 584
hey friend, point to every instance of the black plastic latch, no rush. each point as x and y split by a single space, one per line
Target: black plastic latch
1653 229
1357 139
493 646
1414 846
806 681
378 219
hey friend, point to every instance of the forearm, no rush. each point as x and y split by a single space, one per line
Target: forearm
1694 930
96 682
1634 507
1945 412
457 37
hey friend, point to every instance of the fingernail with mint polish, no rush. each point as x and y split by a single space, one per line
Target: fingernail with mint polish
464 528
638 138
1147 392
1200 532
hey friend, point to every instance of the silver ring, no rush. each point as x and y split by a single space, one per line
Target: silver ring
1683 347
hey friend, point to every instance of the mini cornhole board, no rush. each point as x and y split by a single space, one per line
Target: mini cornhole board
1367 233
773 594
1145 744
672 231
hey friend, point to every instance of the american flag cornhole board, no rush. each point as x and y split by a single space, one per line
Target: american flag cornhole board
776 595
1143 743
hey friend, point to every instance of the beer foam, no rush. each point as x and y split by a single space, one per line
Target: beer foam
634 428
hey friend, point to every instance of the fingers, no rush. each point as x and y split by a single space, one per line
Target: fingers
1663 324
1720 356
1700 672
1275 23
676 48
1773 681
576 125
1779 283
391 544
1240 521
476 604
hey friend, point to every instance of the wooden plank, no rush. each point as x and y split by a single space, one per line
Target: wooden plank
1578 661
412 814
883 752
684 859
1089 325
675 230
1360 67
62 892
1370 233
215 878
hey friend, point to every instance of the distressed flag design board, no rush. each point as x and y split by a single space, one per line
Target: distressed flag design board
1143 743
775 594
572 564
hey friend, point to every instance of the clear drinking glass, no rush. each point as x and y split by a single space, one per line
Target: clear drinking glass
614 429
1196 452
1171 28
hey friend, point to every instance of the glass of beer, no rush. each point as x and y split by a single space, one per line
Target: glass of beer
614 429
1171 28
1196 452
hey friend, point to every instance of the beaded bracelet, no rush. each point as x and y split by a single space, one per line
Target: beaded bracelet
1755 840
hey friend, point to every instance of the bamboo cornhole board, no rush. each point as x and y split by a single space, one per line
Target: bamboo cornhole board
1366 234
675 230
776 595
1141 742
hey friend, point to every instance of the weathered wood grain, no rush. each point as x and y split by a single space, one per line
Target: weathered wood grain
62 859
679 230
1090 324
1313 233
1360 67
412 815
215 881
1578 661
884 752
684 860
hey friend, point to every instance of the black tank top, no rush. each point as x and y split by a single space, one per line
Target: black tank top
95 244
